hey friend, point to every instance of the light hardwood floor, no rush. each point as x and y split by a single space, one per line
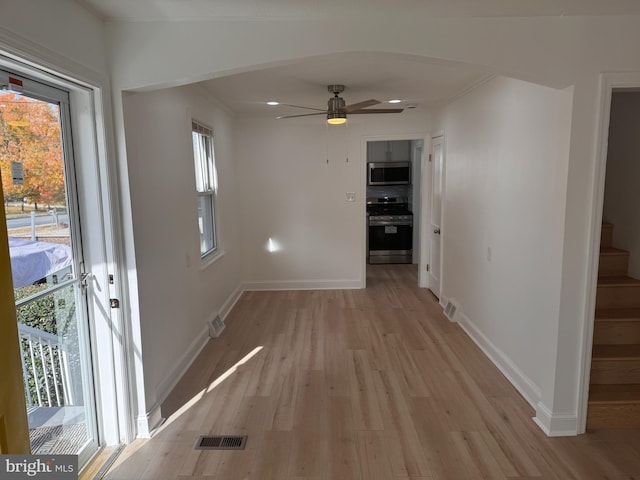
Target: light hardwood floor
371 384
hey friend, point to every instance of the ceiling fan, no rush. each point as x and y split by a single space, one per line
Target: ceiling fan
337 110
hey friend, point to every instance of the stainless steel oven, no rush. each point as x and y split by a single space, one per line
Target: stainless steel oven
390 231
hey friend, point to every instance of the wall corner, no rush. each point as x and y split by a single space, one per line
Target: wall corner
555 424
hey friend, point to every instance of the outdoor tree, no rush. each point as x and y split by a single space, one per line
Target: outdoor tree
30 134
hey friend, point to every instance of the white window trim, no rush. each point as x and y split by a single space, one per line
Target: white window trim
209 257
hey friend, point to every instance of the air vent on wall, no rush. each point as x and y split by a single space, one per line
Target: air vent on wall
450 310
216 326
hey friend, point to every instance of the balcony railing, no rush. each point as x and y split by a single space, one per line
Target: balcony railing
45 368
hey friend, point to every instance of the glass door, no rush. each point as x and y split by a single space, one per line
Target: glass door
40 201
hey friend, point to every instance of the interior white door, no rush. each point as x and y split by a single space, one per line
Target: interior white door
435 222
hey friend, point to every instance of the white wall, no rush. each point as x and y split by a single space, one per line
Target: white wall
622 195
550 50
293 196
61 34
502 236
177 292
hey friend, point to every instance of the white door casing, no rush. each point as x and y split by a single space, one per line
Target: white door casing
66 384
435 216
97 191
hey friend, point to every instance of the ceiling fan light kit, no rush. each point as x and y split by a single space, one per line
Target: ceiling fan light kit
337 109
336 118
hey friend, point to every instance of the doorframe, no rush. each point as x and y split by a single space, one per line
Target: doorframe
608 83
101 233
426 142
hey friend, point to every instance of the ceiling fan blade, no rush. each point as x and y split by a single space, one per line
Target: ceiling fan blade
360 105
300 106
303 115
377 110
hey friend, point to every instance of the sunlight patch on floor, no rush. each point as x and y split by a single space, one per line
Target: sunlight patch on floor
229 372
198 396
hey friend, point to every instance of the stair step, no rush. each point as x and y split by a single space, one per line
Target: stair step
613 251
606 235
619 281
627 352
618 292
630 314
614 406
615 364
614 262
614 393
616 331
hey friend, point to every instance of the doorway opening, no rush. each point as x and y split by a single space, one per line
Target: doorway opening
64 261
47 263
394 174
601 235
614 387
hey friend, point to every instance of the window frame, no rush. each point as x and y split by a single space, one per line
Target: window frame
206 185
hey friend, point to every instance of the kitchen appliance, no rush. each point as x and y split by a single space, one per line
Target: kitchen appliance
389 230
388 173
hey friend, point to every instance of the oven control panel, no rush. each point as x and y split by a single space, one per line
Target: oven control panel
382 220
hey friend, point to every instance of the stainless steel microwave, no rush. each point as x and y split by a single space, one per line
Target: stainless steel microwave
389 173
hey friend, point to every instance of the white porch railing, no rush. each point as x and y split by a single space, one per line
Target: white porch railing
45 368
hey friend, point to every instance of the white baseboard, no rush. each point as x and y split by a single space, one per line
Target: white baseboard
552 424
443 300
153 419
181 366
527 388
228 305
194 349
148 423
303 285
556 424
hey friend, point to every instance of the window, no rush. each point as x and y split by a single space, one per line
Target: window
206 185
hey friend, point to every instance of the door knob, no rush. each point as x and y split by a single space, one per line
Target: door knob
436 231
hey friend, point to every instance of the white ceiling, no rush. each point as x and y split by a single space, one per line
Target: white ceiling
372 75
366 75
212 9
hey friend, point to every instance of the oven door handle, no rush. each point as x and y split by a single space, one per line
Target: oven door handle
384 223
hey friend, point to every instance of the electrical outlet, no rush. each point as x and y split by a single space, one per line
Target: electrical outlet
351 196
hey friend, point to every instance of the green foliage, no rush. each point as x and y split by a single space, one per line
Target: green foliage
38 314
55 314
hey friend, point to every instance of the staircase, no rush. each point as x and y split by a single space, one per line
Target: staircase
614 392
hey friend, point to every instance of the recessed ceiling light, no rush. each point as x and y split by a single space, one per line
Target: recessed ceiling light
395 101
273 103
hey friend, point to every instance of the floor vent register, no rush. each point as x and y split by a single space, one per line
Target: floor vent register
221 442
